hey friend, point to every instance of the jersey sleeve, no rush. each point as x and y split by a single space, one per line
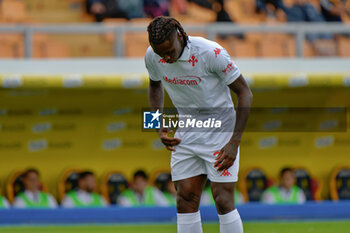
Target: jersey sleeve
152 72
221 64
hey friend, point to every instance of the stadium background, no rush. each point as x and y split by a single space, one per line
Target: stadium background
55 119
95 126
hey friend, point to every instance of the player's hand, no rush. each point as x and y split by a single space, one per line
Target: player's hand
169 142
226 157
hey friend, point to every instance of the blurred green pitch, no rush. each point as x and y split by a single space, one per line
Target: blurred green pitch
250 227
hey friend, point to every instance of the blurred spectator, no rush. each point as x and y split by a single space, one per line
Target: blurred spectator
271 9
102 9
4 204
222 16
262 5
85 195
207 197
140 194
203 3
180 6
221 13
303 11
332 10
286 193
155 8
132 8
33 197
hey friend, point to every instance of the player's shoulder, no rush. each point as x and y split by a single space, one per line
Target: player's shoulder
150 57
149 53
205 46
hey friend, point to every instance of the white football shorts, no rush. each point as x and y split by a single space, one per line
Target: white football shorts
195 159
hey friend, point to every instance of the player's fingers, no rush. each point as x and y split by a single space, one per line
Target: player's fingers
172 141
171 148
166 143
219 161
176 141
165 137
225 165
221 153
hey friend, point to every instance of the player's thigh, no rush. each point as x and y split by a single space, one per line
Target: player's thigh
189 193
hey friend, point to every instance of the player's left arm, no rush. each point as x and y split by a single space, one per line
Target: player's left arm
228 153
244 102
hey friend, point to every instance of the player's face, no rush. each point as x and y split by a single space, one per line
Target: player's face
32 182
170 50
140 184
288 180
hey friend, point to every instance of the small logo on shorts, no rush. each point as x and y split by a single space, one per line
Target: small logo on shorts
226 173
151 120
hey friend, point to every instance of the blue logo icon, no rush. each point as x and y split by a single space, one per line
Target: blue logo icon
151 120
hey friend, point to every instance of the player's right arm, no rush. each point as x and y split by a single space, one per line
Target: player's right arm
156 99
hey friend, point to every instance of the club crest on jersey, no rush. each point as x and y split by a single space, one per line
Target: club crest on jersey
184 80
193 60
217 51
228 68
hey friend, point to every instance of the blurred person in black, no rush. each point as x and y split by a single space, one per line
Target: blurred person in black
155 8
262 6
304 11
102 9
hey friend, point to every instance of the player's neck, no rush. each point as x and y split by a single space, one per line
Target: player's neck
183 44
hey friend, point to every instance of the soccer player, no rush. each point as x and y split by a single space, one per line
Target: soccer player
285 193
198 74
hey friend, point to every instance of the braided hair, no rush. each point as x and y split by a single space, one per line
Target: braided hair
162 27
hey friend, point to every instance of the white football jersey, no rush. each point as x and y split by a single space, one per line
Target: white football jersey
199 79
